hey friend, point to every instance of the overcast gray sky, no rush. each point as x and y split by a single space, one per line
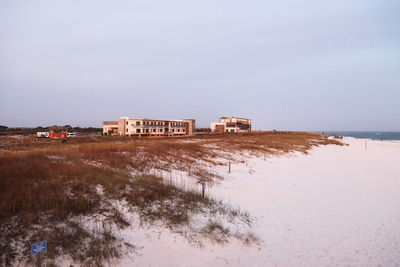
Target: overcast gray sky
288 65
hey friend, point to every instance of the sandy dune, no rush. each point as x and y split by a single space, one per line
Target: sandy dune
337 206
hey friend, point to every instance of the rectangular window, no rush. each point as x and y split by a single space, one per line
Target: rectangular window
137 130
126 122
138 123
173 130
126 130
147 130
179 130
183 130
154 130
160 130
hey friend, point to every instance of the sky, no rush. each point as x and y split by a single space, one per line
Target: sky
288 65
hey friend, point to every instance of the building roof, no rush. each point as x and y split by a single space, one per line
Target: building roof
235 118
145 119
110 122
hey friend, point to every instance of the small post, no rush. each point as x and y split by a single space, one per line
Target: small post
229 167
203 186
38 261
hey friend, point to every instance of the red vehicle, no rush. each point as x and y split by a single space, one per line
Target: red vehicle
54 135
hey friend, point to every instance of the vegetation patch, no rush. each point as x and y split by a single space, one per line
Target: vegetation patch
75 195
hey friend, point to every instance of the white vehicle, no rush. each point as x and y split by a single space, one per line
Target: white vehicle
71 134
43 134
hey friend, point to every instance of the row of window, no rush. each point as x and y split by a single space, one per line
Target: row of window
158 123
178 124
160 130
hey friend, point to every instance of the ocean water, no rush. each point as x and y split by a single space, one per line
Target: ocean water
369 135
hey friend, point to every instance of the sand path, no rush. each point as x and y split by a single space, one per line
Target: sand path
337 206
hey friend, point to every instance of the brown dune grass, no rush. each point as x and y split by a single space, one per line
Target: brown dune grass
51 183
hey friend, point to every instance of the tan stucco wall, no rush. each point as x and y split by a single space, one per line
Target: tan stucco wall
128 126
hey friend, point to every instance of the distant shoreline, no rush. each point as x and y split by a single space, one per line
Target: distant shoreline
371 135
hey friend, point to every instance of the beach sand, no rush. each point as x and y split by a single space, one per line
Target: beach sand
336 206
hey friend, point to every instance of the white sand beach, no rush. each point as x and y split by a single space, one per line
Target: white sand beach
336 206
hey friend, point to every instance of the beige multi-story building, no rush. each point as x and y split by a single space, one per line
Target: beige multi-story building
149 127
231 125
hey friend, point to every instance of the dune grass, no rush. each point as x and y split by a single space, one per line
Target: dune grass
47 188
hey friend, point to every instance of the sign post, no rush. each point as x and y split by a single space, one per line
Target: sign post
38 248
203 185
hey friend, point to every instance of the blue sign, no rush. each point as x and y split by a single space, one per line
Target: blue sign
39 247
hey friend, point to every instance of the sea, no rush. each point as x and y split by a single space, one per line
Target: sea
369 135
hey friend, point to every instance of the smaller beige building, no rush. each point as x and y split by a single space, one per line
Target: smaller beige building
231 125
110 127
